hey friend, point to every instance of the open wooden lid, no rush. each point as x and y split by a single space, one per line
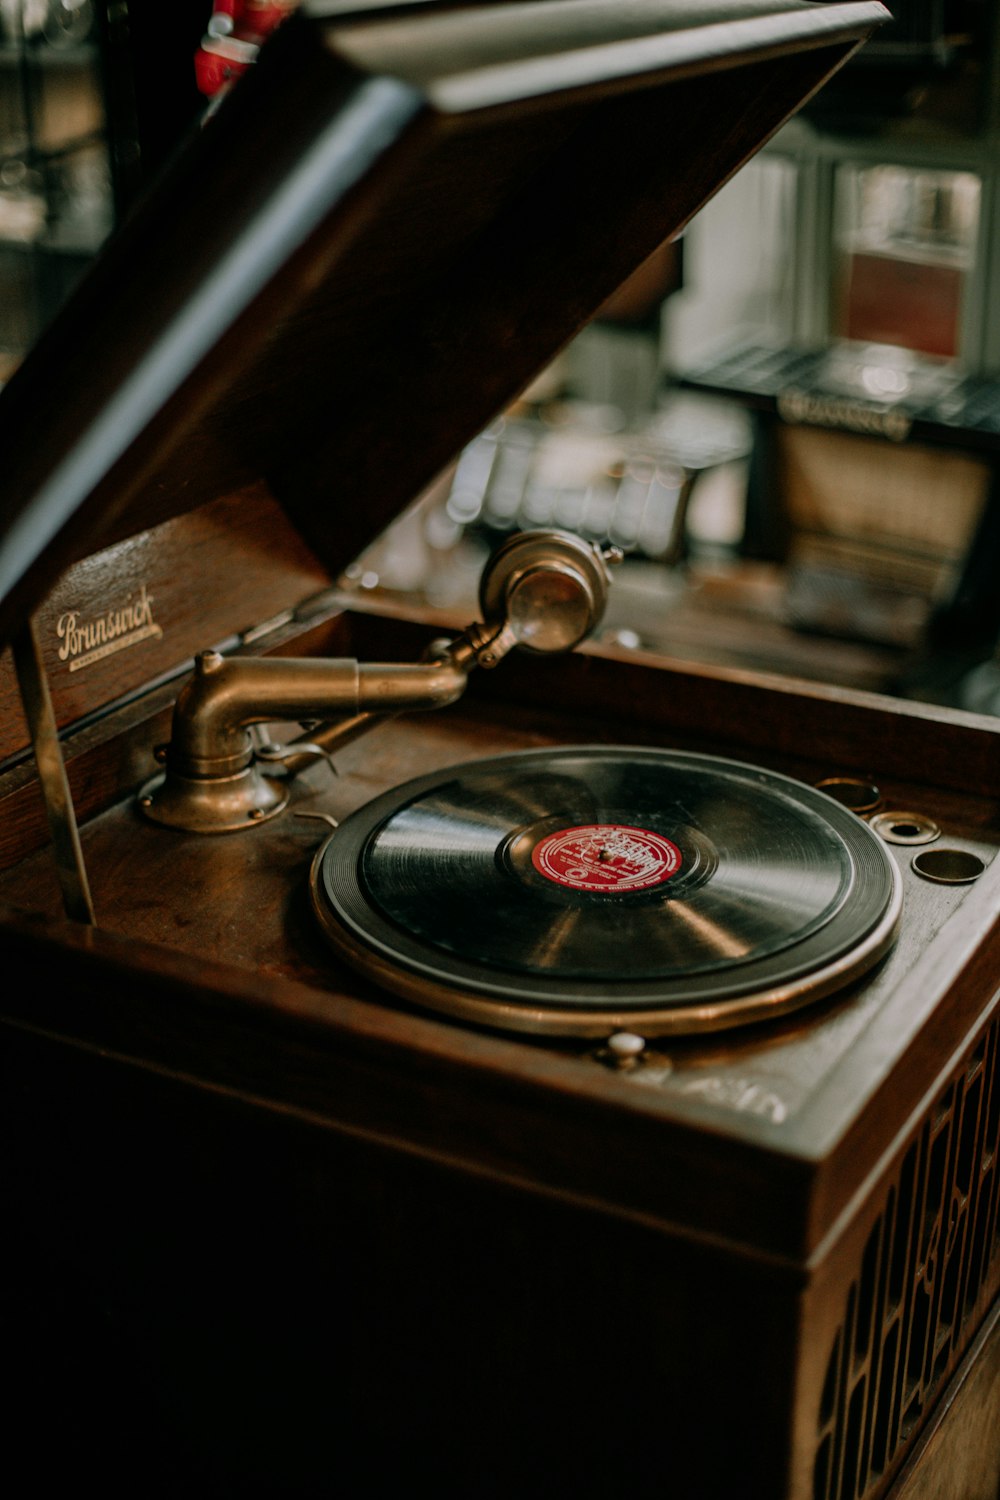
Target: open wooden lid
391 224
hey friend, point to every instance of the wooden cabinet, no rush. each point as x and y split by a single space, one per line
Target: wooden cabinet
309 1239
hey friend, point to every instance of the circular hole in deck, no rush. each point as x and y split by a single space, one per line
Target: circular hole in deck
851 792
948 866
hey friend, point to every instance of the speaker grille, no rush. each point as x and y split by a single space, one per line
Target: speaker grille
925 1266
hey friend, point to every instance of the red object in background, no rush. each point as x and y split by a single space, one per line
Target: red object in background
235 32
893 301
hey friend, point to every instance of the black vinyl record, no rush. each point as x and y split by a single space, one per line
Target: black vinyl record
578 890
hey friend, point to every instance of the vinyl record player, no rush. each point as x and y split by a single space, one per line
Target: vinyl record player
610 1099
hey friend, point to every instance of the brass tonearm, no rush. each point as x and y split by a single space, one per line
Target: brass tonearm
542 590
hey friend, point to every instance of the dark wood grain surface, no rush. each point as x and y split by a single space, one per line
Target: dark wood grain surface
808 724
195 581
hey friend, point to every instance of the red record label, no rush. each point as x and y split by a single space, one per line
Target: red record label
606 857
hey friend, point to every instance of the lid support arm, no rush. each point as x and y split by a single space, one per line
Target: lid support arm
58 799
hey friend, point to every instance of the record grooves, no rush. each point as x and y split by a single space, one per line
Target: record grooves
578 890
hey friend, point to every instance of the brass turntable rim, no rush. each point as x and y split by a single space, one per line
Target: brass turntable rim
666 1020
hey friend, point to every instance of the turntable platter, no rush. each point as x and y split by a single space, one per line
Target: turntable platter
581 890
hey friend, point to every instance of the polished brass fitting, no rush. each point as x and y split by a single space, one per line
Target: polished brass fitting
544 591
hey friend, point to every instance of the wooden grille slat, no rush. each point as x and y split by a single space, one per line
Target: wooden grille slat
920 1277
